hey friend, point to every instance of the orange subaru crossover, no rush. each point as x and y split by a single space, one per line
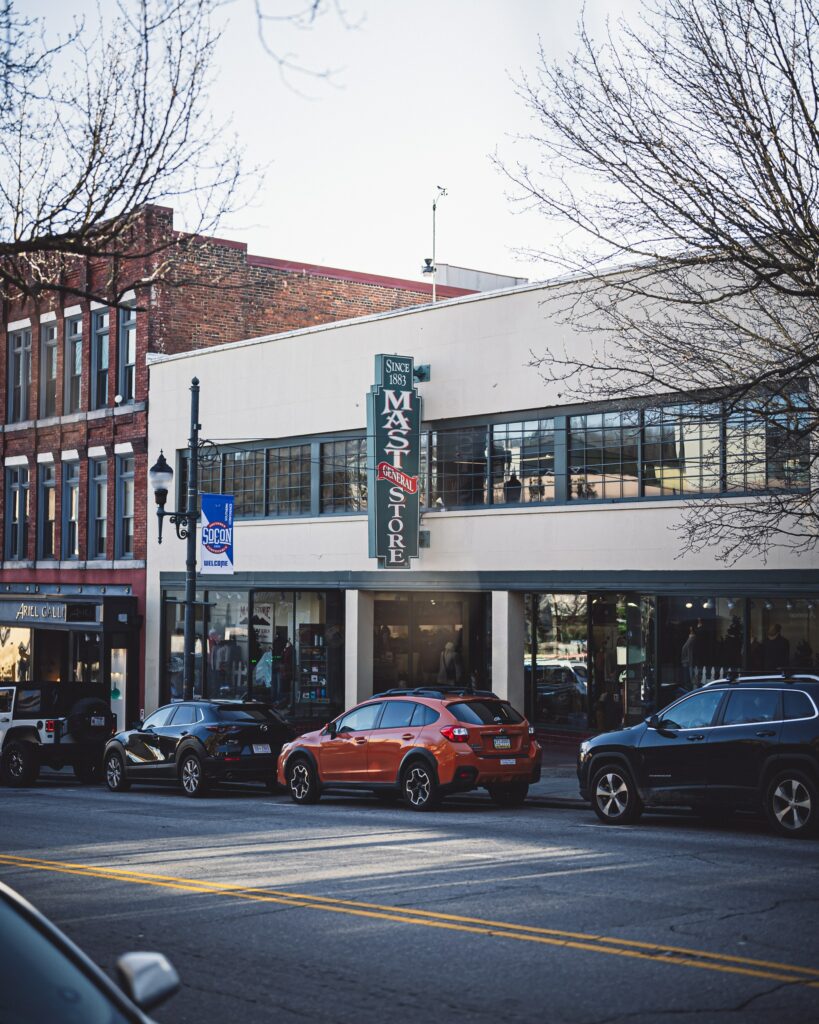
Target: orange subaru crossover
422 744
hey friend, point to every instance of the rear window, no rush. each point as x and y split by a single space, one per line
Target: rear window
798 704
246 714
485 712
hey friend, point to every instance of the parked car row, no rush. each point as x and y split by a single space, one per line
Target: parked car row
735 744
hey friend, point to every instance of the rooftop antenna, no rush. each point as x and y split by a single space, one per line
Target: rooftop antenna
429 266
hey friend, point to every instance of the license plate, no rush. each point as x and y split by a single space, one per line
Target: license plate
261 748
507 760
97 720
502 743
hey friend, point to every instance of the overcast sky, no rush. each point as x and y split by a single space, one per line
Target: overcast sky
421 96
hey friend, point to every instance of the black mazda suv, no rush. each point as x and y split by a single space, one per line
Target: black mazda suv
198 743
744 743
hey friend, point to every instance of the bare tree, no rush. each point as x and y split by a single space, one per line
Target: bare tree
681 153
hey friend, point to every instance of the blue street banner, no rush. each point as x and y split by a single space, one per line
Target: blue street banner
216 554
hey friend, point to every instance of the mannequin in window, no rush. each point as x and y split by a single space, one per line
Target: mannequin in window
512 488
449 670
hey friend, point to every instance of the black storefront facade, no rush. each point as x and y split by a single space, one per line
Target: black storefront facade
595 649
82 639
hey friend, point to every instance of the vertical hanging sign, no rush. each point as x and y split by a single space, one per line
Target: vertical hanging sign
216 555
393 459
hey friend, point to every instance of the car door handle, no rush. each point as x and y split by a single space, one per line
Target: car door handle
766 732
361 739
407 736
693 739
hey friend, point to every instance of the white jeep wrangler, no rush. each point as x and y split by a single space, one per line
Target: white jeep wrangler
51 724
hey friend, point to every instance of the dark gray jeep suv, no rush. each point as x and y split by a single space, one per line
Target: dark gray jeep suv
743 743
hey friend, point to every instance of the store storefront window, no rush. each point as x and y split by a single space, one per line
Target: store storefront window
174 657
783 633
15 655
227 646
556 659
429 640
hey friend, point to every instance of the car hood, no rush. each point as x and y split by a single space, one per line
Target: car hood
628 737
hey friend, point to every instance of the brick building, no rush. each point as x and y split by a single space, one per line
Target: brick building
74 408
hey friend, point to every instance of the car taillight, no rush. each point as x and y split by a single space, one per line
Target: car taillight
455 733
51 725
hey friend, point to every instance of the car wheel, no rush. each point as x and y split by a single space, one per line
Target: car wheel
302 782
87 771
19 764
614 796
419 787
192 777
792 804
115 778
508 794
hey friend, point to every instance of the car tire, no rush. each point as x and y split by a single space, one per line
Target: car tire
88 770
115 778
420 787
508 794
192 776
614 796
792 804
19 764
302 784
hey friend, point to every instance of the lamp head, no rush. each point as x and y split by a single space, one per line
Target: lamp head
161 477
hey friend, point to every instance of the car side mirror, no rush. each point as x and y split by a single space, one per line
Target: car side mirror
654 722
331 730
147 978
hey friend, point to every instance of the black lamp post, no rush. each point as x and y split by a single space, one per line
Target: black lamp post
161 477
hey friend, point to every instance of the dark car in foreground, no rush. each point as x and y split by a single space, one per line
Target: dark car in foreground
421 744
46 979
197 744
749 743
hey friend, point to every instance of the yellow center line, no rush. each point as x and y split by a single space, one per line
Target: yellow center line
635 949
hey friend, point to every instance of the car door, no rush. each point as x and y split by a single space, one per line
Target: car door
747 732
391 740
143 747
173 733
343 752
672 750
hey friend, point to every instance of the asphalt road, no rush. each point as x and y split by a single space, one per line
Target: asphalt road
351 911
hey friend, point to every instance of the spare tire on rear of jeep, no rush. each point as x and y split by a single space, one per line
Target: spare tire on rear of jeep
90 720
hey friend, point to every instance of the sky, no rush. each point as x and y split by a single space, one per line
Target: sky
422 94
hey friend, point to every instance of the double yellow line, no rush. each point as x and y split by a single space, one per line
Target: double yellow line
589 943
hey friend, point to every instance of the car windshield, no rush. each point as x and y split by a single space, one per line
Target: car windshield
39 983
485 712
247 713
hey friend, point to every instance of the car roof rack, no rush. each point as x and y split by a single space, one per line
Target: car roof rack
438 692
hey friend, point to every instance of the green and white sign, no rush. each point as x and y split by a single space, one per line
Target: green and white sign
393 462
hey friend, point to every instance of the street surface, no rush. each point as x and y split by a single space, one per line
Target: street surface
351 911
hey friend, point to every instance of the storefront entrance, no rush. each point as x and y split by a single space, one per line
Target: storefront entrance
429 640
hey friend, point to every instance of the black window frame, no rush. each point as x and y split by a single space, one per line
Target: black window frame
100 357
17 513
96 551
126 353
70 532
342 471
19 375
73 357
49 341
46 528
125 481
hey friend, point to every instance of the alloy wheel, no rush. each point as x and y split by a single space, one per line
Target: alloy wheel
417 786
191 775
612 794
300 781
792 804
113 772
16 765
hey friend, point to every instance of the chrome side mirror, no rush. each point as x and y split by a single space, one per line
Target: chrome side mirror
147 978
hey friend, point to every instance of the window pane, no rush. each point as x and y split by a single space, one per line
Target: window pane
244 479
288 480
695 712
458 467
749 706
397 714
344 476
